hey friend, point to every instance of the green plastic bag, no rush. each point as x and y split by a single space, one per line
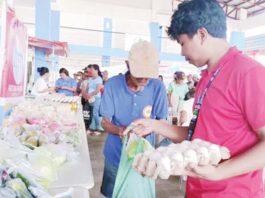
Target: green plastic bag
129 183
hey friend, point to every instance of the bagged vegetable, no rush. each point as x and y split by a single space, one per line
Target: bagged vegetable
129 183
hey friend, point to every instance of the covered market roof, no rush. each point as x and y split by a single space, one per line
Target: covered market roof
240 9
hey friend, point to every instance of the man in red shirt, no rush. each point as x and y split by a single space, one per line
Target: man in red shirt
230 99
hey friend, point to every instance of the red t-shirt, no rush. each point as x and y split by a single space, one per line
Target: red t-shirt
231 112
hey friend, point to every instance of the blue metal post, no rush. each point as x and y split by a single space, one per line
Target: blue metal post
55 35
156 34
107 39
42 30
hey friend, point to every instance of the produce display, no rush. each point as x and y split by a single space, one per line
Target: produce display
173 159
41 135
16 182
37 123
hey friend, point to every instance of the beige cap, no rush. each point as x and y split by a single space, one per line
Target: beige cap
143 60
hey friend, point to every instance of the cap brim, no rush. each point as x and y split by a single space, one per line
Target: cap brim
144 72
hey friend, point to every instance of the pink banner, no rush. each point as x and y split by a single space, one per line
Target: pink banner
15 50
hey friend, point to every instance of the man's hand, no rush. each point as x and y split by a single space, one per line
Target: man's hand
51 89
156 165
208 172
121 131
111 128
142 127
185 158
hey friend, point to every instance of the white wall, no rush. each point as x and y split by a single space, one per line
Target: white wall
130 18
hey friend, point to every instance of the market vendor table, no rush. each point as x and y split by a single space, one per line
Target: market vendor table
77 174
76 192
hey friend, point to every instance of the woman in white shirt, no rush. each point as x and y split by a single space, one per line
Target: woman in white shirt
41 86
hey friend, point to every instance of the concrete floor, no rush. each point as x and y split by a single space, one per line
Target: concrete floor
164 188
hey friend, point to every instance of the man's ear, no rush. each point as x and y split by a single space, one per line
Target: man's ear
203 34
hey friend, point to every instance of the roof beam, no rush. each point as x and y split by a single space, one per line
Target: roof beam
232 10
258 3
256 12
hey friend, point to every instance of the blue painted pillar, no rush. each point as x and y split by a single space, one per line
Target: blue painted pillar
107 39
5 110
55 36
2 114
55 26
42 30
155 34
238 39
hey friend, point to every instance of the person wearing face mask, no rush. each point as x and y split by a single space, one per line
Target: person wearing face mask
127 97
41 86
65 84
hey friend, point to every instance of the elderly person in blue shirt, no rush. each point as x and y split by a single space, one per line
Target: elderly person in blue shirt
127 98
65 84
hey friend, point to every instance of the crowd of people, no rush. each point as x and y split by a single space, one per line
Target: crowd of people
219 107
224 111
126 97
89 84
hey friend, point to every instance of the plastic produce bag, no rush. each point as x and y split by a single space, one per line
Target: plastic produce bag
42 160
129 183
